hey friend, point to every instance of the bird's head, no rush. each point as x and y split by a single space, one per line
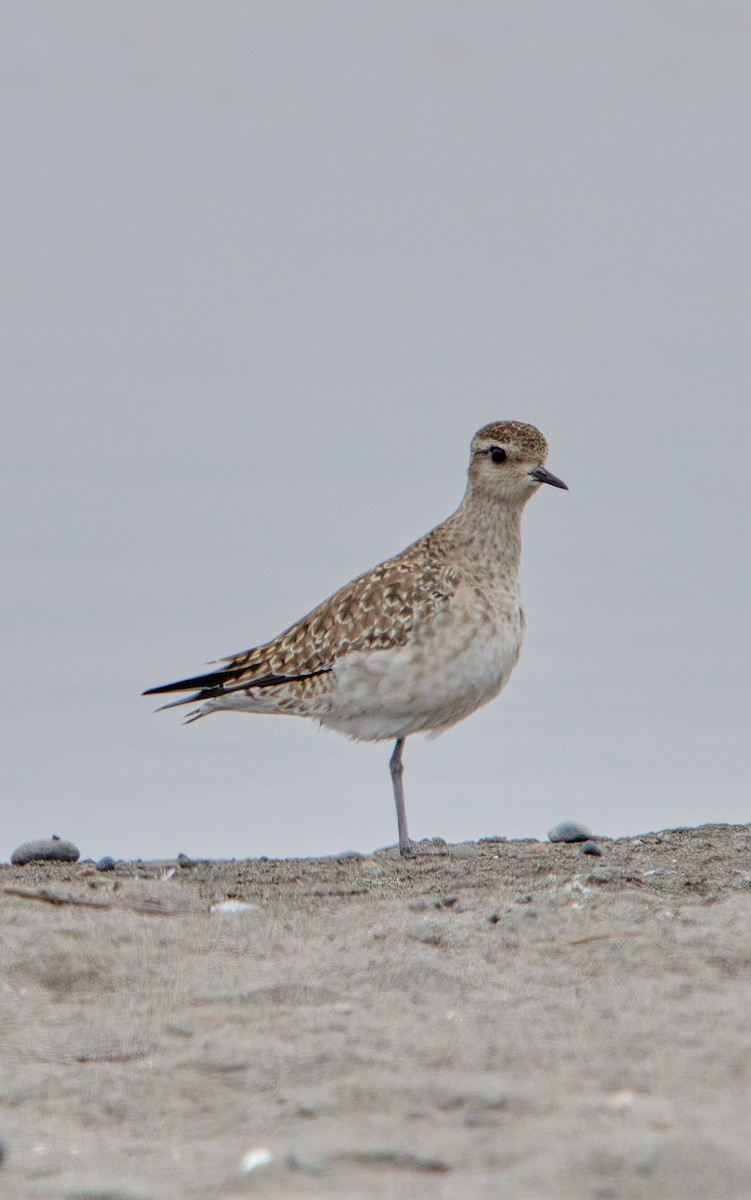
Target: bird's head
507 462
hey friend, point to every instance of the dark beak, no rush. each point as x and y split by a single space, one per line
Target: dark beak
542 475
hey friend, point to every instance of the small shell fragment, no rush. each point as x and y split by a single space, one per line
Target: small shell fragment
231 906
258 1157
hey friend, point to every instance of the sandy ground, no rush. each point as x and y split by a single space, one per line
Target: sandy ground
501 1019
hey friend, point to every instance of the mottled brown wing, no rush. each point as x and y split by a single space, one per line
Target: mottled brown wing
374 611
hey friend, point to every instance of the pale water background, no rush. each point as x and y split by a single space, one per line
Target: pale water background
266 268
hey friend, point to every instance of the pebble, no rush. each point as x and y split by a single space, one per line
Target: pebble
569 831
52 849
590 847
105 864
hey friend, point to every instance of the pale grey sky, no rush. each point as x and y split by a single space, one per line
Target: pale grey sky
267 266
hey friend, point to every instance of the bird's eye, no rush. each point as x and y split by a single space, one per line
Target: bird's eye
497 454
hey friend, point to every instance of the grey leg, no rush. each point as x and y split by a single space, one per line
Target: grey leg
397 770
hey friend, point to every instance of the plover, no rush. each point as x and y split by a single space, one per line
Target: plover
419 642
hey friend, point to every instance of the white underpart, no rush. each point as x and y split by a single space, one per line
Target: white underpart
442 674
419 689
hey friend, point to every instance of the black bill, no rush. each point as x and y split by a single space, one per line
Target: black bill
542 475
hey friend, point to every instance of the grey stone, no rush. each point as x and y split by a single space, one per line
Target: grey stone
52 849
569 831
590 847
105 864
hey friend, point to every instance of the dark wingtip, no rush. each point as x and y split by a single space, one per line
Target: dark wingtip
213 679
221 681
165 687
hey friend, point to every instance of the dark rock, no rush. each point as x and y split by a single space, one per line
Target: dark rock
590 847
105 864
569 831
52 849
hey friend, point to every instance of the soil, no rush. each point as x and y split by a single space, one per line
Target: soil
485 1020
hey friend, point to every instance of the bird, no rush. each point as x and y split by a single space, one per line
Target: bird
416 644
